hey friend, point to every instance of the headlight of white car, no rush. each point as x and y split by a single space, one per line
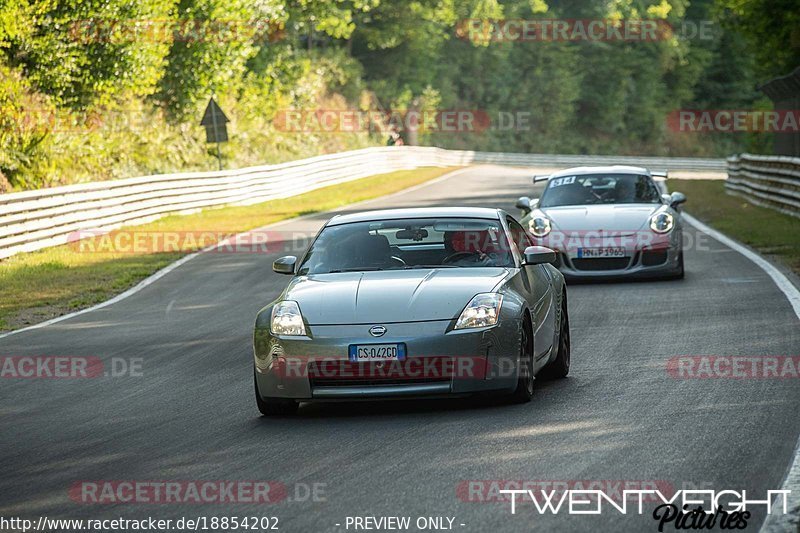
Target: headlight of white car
286 319
662 222
540 226
482 311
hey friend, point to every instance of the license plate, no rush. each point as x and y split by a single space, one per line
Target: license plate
591 253
377 352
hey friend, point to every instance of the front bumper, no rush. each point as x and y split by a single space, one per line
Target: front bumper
439 361
638 262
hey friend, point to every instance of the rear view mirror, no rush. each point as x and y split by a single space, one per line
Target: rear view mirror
411 234
284 265
537 255
524 203
676 199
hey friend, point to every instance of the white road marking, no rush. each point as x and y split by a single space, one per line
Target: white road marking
130 292
787 287
776 522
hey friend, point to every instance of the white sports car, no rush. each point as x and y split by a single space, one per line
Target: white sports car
608 222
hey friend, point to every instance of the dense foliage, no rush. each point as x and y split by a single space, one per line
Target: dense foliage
98 89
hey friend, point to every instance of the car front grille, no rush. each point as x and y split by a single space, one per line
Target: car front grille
348 374
602 263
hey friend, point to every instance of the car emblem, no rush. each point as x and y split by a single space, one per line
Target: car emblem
377 331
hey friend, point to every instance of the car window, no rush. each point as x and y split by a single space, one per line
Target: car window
519 236
587 189
408 243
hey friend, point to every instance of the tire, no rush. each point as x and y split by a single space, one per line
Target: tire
524 391
559 367
273 406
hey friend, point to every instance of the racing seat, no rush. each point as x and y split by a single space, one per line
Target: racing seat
624 191
368 250
574 194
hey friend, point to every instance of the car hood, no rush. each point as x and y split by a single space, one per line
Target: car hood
617 218
390 296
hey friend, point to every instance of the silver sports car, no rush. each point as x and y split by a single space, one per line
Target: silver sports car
412 303
608 222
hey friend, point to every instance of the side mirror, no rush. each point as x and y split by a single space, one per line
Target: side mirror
667 198
524 203
284 265
676 199
537 255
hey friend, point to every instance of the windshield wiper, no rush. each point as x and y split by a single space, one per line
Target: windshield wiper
411 267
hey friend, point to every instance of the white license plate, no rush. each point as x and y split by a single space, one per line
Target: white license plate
377 352
591 253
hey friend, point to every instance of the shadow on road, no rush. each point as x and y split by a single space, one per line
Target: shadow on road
411 408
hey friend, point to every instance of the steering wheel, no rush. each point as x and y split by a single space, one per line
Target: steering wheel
457 256
399 260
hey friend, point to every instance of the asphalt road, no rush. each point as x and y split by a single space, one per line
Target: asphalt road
190 415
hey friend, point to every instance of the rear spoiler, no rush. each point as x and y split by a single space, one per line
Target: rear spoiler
541 177
660 178
663 174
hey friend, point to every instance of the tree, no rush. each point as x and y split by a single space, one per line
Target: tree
84 52
772 29
212 43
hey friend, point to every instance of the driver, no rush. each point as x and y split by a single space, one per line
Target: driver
469 246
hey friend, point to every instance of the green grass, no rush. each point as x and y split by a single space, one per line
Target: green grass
770 232
48 283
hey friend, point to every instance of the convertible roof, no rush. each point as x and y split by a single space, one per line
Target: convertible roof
611 169
417 212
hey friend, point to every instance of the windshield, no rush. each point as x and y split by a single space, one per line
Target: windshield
408 244
600 189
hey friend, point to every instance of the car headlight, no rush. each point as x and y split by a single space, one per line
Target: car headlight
482 311
539 226
286 319
662 222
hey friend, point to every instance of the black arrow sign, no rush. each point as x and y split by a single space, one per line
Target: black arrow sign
213 115
214 121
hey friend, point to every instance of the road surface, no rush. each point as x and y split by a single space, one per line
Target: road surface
190 415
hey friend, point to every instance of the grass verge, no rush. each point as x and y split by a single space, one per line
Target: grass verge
48 283
772 233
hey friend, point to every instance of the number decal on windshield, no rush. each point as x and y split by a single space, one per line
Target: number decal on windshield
562 181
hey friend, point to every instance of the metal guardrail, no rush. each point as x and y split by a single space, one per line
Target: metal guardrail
38 219
769 181
550 160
